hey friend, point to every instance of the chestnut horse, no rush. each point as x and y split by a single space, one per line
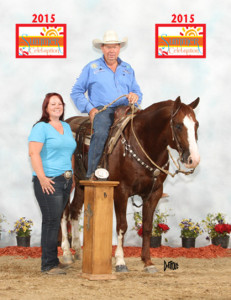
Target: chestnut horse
140 162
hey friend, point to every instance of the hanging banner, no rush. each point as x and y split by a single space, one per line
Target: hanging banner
180 41
40 40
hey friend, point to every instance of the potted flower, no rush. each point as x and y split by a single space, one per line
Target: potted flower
2 220
22 228
189 232
159 227
218 229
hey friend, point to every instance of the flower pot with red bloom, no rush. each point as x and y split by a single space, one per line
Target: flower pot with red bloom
155 241
223 238
218 229
222 241
158 228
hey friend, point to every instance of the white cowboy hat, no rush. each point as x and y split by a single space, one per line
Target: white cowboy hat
110 37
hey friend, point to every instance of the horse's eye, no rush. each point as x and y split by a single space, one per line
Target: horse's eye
178 126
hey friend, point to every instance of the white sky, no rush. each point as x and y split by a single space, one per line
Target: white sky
24 82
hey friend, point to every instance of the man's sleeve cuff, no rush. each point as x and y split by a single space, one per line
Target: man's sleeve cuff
89 107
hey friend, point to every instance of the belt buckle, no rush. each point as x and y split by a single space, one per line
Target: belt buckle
67 174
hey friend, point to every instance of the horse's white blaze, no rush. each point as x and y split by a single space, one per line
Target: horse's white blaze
65 243
76 245
194 157
119 254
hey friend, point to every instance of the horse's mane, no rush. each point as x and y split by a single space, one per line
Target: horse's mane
159 105
163 107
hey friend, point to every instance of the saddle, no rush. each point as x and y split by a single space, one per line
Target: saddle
82 131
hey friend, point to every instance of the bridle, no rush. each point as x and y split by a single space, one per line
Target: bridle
177 164
174 136
156 172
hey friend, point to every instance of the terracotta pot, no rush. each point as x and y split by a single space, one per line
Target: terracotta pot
223 241
188 242
155 241
23 241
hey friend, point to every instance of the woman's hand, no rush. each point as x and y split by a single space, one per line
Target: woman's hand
36 161
47 185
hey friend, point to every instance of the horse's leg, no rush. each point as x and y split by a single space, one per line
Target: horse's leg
75 211
121 228
76 245
148 211
67 256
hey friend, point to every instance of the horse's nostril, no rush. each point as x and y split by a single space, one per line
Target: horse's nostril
190 161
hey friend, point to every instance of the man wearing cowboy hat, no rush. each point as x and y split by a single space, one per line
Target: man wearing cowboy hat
105 79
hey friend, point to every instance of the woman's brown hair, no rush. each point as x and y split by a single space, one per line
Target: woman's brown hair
45 116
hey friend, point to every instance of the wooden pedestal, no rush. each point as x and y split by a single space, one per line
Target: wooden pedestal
97 234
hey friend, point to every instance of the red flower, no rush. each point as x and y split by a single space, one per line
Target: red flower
228 228
223 228
219 228
140 231
164 227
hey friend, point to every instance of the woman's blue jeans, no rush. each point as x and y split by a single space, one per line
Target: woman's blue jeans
101 126
52 207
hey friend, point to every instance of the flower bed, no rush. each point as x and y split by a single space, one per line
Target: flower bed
161 252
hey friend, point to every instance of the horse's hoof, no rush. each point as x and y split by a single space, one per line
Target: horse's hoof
122 269
68 259
77 256
150 269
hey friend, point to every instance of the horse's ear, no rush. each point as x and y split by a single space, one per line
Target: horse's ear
194 104
176 106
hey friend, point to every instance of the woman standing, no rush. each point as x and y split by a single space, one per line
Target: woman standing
51 148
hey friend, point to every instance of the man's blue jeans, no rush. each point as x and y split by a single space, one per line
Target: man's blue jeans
52 207
101 126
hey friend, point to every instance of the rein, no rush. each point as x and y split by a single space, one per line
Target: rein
110 104
174 137
105 107
179 170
